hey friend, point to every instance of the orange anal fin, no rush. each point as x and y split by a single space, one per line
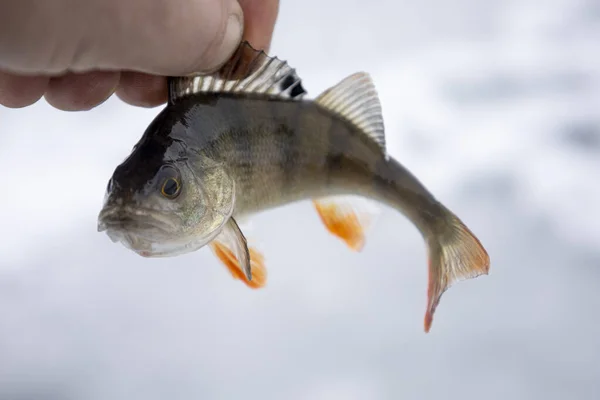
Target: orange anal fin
344 221
228 258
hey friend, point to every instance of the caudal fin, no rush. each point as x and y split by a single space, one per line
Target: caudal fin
455 254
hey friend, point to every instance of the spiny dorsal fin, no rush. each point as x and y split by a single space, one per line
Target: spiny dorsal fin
355 98
247 71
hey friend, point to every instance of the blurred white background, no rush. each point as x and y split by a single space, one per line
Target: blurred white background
492 104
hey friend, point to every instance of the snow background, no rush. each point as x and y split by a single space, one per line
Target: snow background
492 104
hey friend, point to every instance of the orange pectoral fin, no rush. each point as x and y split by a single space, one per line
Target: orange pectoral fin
228 258
344 220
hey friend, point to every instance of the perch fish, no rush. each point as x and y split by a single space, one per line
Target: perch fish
243 140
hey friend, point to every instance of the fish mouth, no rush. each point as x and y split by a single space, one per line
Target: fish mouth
149 232
137 220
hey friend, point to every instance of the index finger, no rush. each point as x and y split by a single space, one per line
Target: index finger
259 21
150 90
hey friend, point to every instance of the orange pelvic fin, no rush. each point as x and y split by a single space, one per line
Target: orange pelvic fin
245 264
348 218
232 263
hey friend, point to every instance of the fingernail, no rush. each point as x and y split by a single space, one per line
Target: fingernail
231 40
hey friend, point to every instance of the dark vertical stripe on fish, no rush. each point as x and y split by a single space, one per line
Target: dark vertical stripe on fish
291 142
254 142
382 179
339 143
241 139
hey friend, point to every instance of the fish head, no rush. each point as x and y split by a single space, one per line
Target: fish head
162 201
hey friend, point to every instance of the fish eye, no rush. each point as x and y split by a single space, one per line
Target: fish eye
170 183
170 188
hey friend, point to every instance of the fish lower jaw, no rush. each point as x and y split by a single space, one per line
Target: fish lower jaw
153 248
126 239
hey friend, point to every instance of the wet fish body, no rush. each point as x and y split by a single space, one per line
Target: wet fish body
283 152
244 140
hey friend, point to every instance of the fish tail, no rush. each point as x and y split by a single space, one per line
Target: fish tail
455 254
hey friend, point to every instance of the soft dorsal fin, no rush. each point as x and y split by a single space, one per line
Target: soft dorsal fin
356 99
247 71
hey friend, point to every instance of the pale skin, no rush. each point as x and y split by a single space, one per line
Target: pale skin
77 54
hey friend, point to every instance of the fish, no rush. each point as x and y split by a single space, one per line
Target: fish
245 139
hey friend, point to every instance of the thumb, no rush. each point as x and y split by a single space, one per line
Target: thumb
163 37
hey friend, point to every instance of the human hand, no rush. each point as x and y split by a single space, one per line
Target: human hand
78 53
